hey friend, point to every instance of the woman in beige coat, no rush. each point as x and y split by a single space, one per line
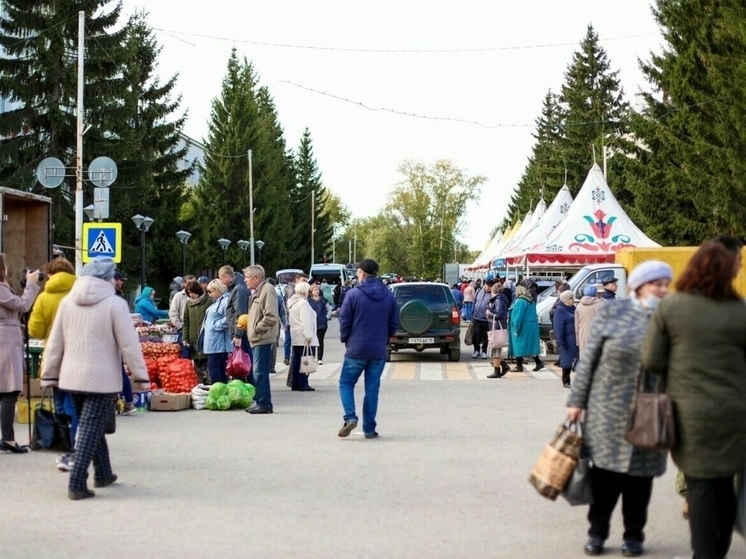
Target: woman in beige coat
302 334
584 314
82 356
11 351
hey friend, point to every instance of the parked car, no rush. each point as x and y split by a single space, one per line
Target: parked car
428 318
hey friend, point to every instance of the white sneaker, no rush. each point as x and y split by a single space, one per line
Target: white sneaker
65 462
484 355
475 355
321 362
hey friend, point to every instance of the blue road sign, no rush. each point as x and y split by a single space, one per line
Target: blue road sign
102 239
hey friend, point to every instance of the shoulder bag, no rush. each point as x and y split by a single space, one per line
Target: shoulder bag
651 419
308 362
498 336
51 428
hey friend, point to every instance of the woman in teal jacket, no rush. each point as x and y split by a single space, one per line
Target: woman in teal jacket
524 329
146 308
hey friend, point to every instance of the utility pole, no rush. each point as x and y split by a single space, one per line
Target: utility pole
313 227
349 251
251 211
354 251
79 150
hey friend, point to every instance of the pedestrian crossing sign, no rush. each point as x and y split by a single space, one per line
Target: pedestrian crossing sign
102 239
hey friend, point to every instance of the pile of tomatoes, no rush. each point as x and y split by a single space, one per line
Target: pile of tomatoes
178 376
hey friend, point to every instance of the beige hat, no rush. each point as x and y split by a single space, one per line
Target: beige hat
566 295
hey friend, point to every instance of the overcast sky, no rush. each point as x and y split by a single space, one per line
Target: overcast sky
359 150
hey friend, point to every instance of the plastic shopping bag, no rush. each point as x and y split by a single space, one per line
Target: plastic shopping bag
239 363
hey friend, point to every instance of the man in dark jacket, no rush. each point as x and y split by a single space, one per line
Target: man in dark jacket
367 319
610 287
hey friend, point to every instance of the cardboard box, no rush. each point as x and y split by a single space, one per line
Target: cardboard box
22 407
35 386
162 401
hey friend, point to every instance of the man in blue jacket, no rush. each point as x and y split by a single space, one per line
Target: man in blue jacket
367 319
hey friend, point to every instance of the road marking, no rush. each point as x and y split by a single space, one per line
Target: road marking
327 371
403 370
431 371
481 370
543 375
458 371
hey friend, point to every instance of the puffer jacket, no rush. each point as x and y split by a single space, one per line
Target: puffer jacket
368 317
91 334
45 308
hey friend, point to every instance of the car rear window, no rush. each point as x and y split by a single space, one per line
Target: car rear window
430 295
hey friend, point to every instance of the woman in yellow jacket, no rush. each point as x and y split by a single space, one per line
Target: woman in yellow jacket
61 279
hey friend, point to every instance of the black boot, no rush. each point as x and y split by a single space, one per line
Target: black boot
505 368
539 363
566 378
519 365
495 373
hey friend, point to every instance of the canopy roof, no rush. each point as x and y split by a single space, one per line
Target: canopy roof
483 259
548 222
595 228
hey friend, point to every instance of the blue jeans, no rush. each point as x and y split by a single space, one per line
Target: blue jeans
466 313
262 357
127 387
351 371
63 403
287 342
216 367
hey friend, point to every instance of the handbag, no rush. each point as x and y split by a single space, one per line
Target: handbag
308 362
111 418
469 336
557 461
578 490
239 363
51 429
498 337
651 420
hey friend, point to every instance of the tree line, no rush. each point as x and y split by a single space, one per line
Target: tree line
676 159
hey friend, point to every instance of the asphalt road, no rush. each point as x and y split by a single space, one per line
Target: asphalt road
446 479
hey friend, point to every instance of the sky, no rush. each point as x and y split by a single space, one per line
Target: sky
492 95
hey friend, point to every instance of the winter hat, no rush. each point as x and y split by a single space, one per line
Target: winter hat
566 295
178 280
369 266
203 279
646 272
119 276
102 267
590 291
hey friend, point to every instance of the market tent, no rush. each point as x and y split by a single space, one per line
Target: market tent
483 259
553 216
595 228
507 238
531 221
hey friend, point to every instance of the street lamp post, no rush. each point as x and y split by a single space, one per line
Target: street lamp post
260 246
224 245
142 223
183 237
243 245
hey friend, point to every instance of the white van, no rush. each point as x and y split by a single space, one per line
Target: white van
332 273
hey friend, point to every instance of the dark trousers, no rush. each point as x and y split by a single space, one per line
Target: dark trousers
635 492
712 514
90 443
479 334
298 379
320 335
7 411
127 387
216 367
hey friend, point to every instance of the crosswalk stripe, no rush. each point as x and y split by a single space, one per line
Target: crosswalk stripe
431 371
404 370
457 371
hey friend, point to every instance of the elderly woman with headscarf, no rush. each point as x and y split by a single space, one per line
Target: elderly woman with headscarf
523 324
604 388
92 371
584 314
564 333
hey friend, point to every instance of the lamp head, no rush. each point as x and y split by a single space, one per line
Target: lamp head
260 244
183 236
137 219
223 243
243 245
146 223
89 211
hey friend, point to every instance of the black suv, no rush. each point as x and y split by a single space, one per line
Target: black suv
428 318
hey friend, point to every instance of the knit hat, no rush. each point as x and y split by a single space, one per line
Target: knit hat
203 279
646 272
590 291
369 266
102 267
566 295
119 276
178 280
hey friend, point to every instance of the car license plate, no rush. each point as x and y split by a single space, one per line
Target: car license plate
421 340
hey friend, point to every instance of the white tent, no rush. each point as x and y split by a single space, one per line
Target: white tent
596 227
554 215
507 238
531 221
482 260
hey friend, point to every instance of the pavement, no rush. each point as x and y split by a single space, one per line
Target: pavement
446 479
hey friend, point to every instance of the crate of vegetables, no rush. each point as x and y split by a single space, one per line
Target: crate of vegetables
163 401
155 350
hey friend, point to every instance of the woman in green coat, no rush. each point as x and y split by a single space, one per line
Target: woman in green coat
194 316
523 324
697 339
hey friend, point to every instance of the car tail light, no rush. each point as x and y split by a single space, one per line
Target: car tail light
455 318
